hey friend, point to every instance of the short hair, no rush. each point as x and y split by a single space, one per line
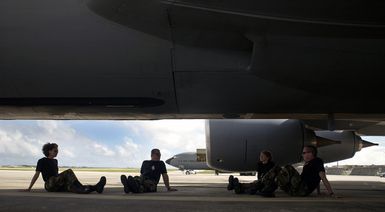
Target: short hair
155 152
47 147
313 149
267 154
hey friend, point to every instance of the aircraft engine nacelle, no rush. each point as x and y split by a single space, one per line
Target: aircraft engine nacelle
234 145
350 143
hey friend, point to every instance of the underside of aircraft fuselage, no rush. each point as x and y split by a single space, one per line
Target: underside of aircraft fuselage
151 59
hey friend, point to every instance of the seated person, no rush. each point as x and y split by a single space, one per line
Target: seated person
295 184
264 165
149 176
65 181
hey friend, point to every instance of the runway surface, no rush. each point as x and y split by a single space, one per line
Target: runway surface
201 192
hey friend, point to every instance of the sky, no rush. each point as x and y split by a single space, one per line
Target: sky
120 143
98 143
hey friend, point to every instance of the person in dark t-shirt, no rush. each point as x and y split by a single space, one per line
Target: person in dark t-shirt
150 173
310 173
264 165
65 181
152 169
263 168
48 168
295 184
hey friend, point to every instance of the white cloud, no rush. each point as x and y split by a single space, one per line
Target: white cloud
67 153
21 143
102 150
130 153
171 136
48 126
129 148
16 144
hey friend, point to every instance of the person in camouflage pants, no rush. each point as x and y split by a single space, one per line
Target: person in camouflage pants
139 184
286 178
264 165
65 181
295 184
289 180
264 186
150 173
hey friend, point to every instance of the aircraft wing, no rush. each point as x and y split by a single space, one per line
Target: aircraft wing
362 127
135 59
373 130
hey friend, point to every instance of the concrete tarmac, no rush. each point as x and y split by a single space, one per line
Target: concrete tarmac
201 192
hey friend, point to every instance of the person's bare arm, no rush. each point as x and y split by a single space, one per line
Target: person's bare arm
167 182
34 178
326 183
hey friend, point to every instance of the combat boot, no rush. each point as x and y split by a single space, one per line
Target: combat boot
99 187
230 186
133 184
237 186
123 179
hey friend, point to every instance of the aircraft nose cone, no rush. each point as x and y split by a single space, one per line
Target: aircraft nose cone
367 144
364 144
168 161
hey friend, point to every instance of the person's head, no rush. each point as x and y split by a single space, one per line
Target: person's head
50 150
265 156
309 153
155 154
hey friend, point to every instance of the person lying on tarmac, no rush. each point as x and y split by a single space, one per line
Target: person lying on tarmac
295 184
149 176
264 165
66 181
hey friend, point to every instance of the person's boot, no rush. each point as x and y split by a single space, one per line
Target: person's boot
237 186
123 179
99 187
230 186
133 184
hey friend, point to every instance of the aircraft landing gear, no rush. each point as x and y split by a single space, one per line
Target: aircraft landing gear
188 172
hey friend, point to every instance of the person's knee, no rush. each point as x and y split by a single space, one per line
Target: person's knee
283 178
69 171
149 185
